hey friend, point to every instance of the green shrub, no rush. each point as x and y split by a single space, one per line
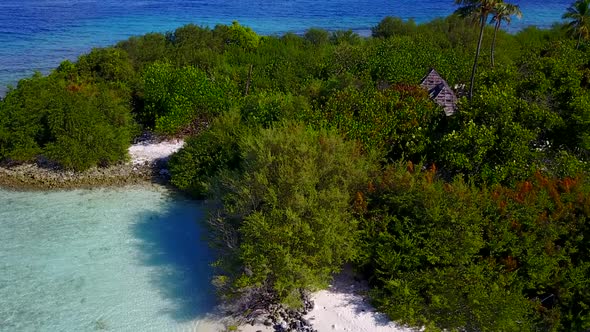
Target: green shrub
204 156
405 59
317 36
22 133
146 49
456 257
400 121
345 36
422 239
106 65
264 109
75 125
286 217
88 128
238 35
393 26
177 98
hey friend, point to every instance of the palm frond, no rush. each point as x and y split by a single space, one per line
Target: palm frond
578 17
503 12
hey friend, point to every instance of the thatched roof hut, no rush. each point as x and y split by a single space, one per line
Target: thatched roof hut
440 91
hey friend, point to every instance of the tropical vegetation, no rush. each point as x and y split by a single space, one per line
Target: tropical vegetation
322 149
578 15
503 12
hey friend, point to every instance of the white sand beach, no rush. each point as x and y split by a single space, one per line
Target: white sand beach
347 310
150 151
344 306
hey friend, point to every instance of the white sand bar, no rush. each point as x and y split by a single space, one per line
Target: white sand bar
149 151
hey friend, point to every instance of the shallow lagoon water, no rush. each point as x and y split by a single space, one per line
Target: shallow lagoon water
130 259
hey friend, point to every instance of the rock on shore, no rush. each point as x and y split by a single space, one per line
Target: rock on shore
31 176
148 158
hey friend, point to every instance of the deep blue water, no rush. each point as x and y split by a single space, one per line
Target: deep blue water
39 34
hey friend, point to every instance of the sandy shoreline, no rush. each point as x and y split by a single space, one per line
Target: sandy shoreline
149 152
344 306
343 310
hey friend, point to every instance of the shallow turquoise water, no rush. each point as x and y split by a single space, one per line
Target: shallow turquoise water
89 260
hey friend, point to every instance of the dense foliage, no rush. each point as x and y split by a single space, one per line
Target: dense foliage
176 98
285 221
518 259
75 125
204 156
322 149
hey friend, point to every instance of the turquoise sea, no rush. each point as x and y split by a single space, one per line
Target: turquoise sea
39 34
128 259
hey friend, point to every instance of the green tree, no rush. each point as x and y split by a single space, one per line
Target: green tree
265 109
493 137
479 9
284 221
145 49
392 26
179 99
239 35
110 64
206 155
22 133
345 36
400 121
420 276
317 36
76 124
578 15
555 78
88 127
517 262
503 12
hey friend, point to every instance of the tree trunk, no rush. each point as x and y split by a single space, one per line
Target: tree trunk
249 80
483 20
579 40
496 28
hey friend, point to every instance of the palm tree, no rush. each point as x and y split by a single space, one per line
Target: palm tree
503 12
479 9
579 16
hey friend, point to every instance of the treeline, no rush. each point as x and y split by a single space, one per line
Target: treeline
321 149
175 83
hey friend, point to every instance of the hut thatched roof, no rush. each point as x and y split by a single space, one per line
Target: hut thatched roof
440 91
